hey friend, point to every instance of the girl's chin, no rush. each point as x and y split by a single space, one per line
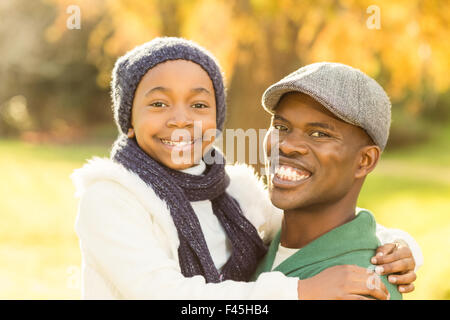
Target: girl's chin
180 160
181 163
180 166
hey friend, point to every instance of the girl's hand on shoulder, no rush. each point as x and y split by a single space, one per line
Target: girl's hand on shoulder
396 260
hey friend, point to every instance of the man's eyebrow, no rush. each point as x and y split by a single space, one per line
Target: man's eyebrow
163 89
278 117
321 125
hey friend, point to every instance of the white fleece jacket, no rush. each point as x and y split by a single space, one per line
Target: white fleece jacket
129 243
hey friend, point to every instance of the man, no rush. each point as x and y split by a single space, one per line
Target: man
333 123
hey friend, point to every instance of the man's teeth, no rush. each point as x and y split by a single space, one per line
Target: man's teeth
290 173
176 143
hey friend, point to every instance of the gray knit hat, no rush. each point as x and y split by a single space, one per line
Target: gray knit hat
130 68
347 92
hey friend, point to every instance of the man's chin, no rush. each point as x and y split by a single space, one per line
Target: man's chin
284 202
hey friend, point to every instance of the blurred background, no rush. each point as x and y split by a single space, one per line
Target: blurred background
55 109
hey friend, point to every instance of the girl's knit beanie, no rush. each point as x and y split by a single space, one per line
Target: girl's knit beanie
131 67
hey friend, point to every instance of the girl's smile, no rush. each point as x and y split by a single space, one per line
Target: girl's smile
181 145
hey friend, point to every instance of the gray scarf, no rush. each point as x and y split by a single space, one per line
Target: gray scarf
178 189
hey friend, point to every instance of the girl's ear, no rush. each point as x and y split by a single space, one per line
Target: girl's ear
130 133
369 156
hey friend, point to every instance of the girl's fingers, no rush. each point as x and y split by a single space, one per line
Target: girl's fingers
406 288
398 266
404 279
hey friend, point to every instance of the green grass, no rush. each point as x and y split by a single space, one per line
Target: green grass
410 190
39 253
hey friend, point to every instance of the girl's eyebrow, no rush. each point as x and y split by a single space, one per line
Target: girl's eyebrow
163 89
200 90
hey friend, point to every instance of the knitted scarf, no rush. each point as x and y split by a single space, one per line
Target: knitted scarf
177 189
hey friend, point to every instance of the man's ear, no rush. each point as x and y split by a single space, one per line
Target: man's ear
130 133
368 159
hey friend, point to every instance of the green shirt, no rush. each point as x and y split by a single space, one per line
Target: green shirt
352 243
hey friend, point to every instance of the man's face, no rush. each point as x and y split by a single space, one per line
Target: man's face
318 154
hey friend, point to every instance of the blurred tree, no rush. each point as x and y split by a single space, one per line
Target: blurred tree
58 84
256 41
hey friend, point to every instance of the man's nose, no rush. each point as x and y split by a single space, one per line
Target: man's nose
290 145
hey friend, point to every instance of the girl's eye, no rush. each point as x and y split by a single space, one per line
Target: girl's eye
319 134
280 127
158 104
199 106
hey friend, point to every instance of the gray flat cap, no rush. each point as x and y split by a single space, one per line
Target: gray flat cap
345 91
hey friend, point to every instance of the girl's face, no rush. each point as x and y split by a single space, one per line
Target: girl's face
174 100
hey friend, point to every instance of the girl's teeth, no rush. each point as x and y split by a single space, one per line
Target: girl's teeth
176 143
289 173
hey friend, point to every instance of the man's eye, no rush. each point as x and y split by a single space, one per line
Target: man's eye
158 104
319 134
280 127
199 106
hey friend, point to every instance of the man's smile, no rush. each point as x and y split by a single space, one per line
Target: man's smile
289 174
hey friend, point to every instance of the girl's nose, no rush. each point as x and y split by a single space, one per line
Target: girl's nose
180 120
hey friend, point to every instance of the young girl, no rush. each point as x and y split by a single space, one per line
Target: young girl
151 227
